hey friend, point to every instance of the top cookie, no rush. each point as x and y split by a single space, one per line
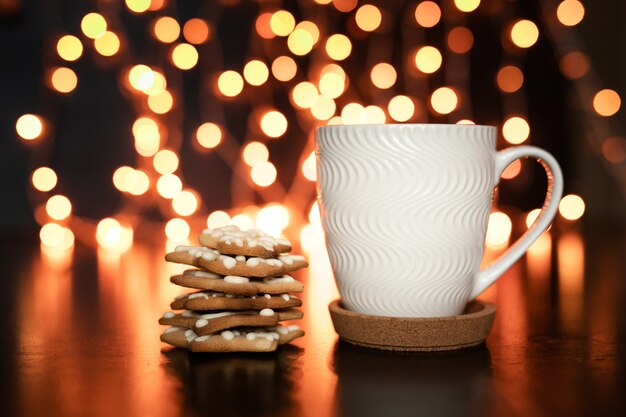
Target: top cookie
230 240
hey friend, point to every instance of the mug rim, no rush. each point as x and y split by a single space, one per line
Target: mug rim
460 126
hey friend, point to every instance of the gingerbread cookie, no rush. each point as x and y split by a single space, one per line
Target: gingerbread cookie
203 324
211 300
236 340
230 240
232 284
240 265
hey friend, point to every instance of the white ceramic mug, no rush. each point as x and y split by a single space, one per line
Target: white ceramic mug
405 209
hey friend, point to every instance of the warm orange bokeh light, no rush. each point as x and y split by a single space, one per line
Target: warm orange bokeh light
467 5
465 122
311 28
120 177
460 40
570 12
185 56
177 230
69 48
614 149
498 230
137 182
282 23
606 102
161 103
64 80
254 153
93 25
110 234
262 26
273 219
444 100
572 207
332 85
141 77
524 33
353 113
273 124
342 5
383 75
368 17
165 161
300 42
147 136
166 29
218 218
44 179
512 170
230 83
284 68
374 115
256 72
304 94
169 185
428 59
138 6
209 135
509 79
574 65
58 207
263 174
309 169
515 130
185 203
323 108
338 47
29 126
401 108
196 31
56 236
107 44
427 14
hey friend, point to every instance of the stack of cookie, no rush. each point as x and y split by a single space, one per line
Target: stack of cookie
244 293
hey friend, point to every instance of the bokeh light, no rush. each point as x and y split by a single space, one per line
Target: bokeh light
467 5
574 65
29 126
44 179
532 216
120 177
217 219
165 161
196 31
460 40
300 42
515 130
323 108
498 230
169 185
141 77
509 79
166 29
185 203
93 25
137 182
263 174
161 103
64 80
368 17
512 170
606 102
108 44
256 72
383 75
284 68
138 6
353 113
262 26
273 124
428 59
55 236
311 28
147 136
309 169
254 153
177 230
273 219
110 234
242 221
444 100
614 149
282 23
230 83
427 14
184 56
338 47
524 33
572 207
570 12
304 94
332 85
69 48
209 135
58 207
401 108
344 5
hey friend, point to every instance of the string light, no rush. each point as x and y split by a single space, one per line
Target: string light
570 12
274 124
177 230
29 127
524 33
184 56
64 80
427 14
309 169
55 236
368 17
509 79
263 174
323 108
606 102
58 207
262 26
147 136
332 85
498 230
161 102
300 42
338 47
166 29
185 203
110 234
141 77
512 170
282 23
254 153
69 48
401 108
311 28
209 135
242 221
107 44
256 72
138 6
383 75
273 219
345 5
515 130
444 100
137 182
460 40
467 5
571 207
614 149
44 179
93 25
217 219
230 83
165 161
304 94
284 68
428 59
120 177
196 31
169 186
574 65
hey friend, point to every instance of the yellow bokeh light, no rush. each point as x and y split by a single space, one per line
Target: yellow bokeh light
93 25
273 219
383 75
284 68
169 185
509 79
300 42
374 115
256 72
512 170
230 83
209 135
614 149
242 221
323 108
161 103
165 162
427 14
570 12
311 28
467 5
498 230
515 130
120 177
184 56
44 179
465 122
185 203
334 121
314 215
444 100
159 83
460 40
177 230
273 124
606 102
29 126
428 59
574 65
304 94
524 33
166 29
572 207
108 44
332 85
532 216
368 17
110 234
254 153
352 113
401 108
282 23
58 207
147 136
56 236
64 80
309 169
334 68
263 174
137 182
196 31
217 219
138 6
141 77
69 48
338 47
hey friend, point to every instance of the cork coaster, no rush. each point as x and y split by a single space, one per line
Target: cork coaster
414 334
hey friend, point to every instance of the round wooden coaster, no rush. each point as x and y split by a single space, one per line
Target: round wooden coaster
414 334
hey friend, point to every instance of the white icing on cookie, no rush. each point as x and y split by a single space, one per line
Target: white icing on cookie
285 297
198 295
228 335
228 262
173 329
266 312
234 279
202 338
168 315
278 280
201 274
232 235
267 296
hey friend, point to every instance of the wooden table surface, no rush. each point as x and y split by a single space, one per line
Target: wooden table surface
80 338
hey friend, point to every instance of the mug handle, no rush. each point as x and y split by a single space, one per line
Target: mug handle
488 275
